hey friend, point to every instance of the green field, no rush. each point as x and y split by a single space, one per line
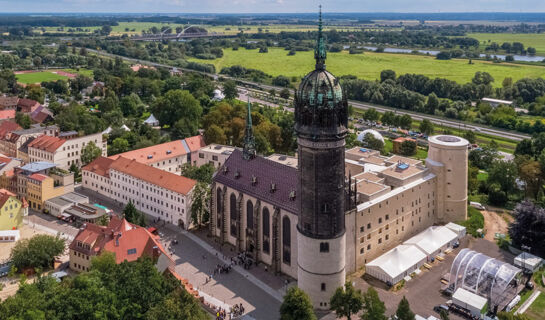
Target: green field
537 309
370 64
37 77
536 40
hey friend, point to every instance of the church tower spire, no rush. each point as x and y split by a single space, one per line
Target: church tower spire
249 140
320 50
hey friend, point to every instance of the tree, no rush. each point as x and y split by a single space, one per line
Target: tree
132 215
470 136
443 315
284 93
90 152
503 173
432 103
105 30
403 311
346 302
230 89
176 105
199 204
530 172
426 127
371 114
472 180
296 306
387 75
177 305
215 134
529 227
408 148
369 141
37 252
281 81
203 173
405 121
373 307
23 120
119 145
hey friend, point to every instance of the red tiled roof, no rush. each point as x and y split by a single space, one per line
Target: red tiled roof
127 241
158 177
195 143
26 105
100 166
164 151
5 160
154 153
8 101
38 177
47 143
7 114
7 127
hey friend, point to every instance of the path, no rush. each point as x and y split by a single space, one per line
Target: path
528 302
494 223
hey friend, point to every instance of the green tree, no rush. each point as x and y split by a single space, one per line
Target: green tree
403 311
90 152
203 173
35 92
373 307
371 114
443 315
405 121
432 104
23 120
296 306
215 134
408 148
470 136
37 252
176 105
199 204
369 141
119 145
387 75
472 180
230 89
346 302
132 215
285 93
177 305
503 173
426 127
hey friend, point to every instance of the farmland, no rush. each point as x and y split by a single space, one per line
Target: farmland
370 64
528 39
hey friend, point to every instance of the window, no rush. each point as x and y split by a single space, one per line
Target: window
379 240
218 207
249 214
323 286
266 230
131 251
233 214
361 251
379 220
286 240
324 246
215 158
201 155
387 217
368 247
361 229
368 226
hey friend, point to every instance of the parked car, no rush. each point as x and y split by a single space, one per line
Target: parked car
440 307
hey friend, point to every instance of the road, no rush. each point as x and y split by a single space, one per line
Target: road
356 104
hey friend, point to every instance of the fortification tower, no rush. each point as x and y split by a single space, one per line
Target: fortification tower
320 124
447 159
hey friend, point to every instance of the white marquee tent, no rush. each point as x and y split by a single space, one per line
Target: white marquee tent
433 240
396 264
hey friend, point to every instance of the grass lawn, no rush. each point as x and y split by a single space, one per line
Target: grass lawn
534 40
370 64
49 75
482 176
537 309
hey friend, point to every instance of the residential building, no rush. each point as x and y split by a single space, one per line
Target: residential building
398 142
214 154
7 164
12 210
161 194
169 156
126 241
12 141
40 188
8 102
63 151
27 105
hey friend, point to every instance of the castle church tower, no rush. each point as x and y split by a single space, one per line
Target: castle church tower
321 122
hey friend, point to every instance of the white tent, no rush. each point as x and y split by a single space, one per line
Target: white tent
152 121
109 129
397 263
528 261
433 240
460 230
375 134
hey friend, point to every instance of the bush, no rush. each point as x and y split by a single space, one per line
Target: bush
475 220
37 252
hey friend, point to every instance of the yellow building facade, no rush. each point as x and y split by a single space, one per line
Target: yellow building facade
41 188
11 211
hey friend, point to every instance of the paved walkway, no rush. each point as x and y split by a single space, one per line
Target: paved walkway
528 302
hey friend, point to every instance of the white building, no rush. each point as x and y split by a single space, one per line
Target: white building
63 152
396 264
528 261
433 240
163 195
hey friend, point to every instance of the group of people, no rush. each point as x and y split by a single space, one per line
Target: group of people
243 259
221 314
237 310
223 268
234 312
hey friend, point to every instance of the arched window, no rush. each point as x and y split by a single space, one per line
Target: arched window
219 206
266 230
233 214
286 240
249 214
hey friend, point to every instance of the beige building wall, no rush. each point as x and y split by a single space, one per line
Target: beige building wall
214 154
79 261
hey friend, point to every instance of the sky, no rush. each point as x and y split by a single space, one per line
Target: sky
270 6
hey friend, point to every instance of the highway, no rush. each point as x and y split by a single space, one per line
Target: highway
356 104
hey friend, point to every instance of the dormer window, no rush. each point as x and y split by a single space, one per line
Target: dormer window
237 174
150 156
254 180
225 169
273 187
292 195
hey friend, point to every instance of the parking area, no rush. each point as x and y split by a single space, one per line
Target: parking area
424 291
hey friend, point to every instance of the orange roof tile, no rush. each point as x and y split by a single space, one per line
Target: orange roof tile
195 143
154 153
47 143
7 114
7 127
38 177
100 166
4 196
158 177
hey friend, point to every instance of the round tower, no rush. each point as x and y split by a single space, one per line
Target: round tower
447 159
321 120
